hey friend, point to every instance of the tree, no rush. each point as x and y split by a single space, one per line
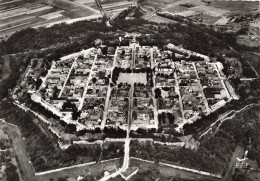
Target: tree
38 83
11 173
158 93
97 130
70 128
163 138
89 178
69 105
94 80
141 131
34 63
153 130
81 132
62 179
162 118
171 118
75 114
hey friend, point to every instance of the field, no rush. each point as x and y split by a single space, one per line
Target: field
157 19
207 12
235 6
133 78
18 14
247 41
197 10
195 7
167 173
108 6
85 170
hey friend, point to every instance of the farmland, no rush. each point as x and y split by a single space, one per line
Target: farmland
17 14
206 12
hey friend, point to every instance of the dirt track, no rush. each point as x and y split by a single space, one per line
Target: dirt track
20 152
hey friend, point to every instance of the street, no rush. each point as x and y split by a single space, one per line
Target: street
81 101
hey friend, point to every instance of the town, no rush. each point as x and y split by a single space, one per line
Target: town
145 86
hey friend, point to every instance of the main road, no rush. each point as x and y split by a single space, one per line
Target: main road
126 159
127 140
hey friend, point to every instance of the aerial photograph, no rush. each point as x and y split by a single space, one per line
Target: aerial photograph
129 90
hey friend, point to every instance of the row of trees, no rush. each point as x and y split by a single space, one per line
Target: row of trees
40 109
156 136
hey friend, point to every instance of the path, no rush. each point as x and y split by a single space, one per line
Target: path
126 160
202 91
65 82
103 123
226 117
155 107
81 101
222 79
20 151
177 89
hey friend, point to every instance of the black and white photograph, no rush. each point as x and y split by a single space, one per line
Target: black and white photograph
129 90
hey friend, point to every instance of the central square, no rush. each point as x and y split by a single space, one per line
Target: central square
132 78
